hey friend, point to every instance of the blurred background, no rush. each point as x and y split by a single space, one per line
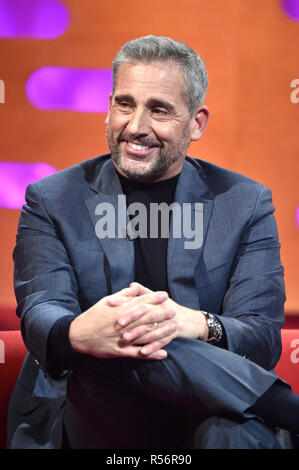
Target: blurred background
55 79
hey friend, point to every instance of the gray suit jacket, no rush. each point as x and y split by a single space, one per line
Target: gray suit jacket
62 268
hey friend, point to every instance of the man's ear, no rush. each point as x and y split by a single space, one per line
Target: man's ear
200 121
108 112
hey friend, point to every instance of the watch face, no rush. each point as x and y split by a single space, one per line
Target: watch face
211 328
215 329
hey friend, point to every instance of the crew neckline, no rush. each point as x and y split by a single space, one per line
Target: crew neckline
143 184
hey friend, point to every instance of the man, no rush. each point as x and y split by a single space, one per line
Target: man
145 363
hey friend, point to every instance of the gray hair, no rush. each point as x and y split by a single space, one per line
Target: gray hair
150 48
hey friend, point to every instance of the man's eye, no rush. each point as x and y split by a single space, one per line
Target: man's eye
159 111
124 105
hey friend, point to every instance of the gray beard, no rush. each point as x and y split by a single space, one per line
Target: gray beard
160 166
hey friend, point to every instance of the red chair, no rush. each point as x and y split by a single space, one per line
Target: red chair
288 365
8 318
12 353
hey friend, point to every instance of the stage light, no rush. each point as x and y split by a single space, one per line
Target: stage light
291 8
69 89
15 177
34 19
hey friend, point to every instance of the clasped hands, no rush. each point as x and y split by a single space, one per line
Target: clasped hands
135 322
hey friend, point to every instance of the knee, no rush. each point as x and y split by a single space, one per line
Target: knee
221 433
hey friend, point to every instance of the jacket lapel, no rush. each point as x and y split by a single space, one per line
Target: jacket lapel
118 249
182 260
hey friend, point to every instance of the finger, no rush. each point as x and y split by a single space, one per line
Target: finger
132 291
138 332
135 314
134 309
126 350
141 289
145 314
123 295
156 355
116 300
153 298
152 321
146 334
152 348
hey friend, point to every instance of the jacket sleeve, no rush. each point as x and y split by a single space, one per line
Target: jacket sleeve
45 282
253 305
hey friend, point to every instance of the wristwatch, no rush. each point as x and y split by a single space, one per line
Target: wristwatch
215 328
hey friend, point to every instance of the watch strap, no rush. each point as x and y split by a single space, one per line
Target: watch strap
215 328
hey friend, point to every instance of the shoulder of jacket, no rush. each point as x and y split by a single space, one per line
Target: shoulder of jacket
220 178
77 174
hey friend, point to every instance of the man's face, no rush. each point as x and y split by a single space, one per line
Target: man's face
149 128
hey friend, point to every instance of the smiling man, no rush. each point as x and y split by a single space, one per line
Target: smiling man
146 342
149 127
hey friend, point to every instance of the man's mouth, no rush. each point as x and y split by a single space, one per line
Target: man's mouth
139 150
137 146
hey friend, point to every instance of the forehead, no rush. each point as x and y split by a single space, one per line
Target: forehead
155 79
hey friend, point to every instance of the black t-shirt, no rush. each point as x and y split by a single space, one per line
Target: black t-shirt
150 251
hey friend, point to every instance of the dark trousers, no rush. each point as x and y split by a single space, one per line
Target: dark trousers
198 397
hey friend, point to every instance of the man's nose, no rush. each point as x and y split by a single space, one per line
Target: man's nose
138 123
